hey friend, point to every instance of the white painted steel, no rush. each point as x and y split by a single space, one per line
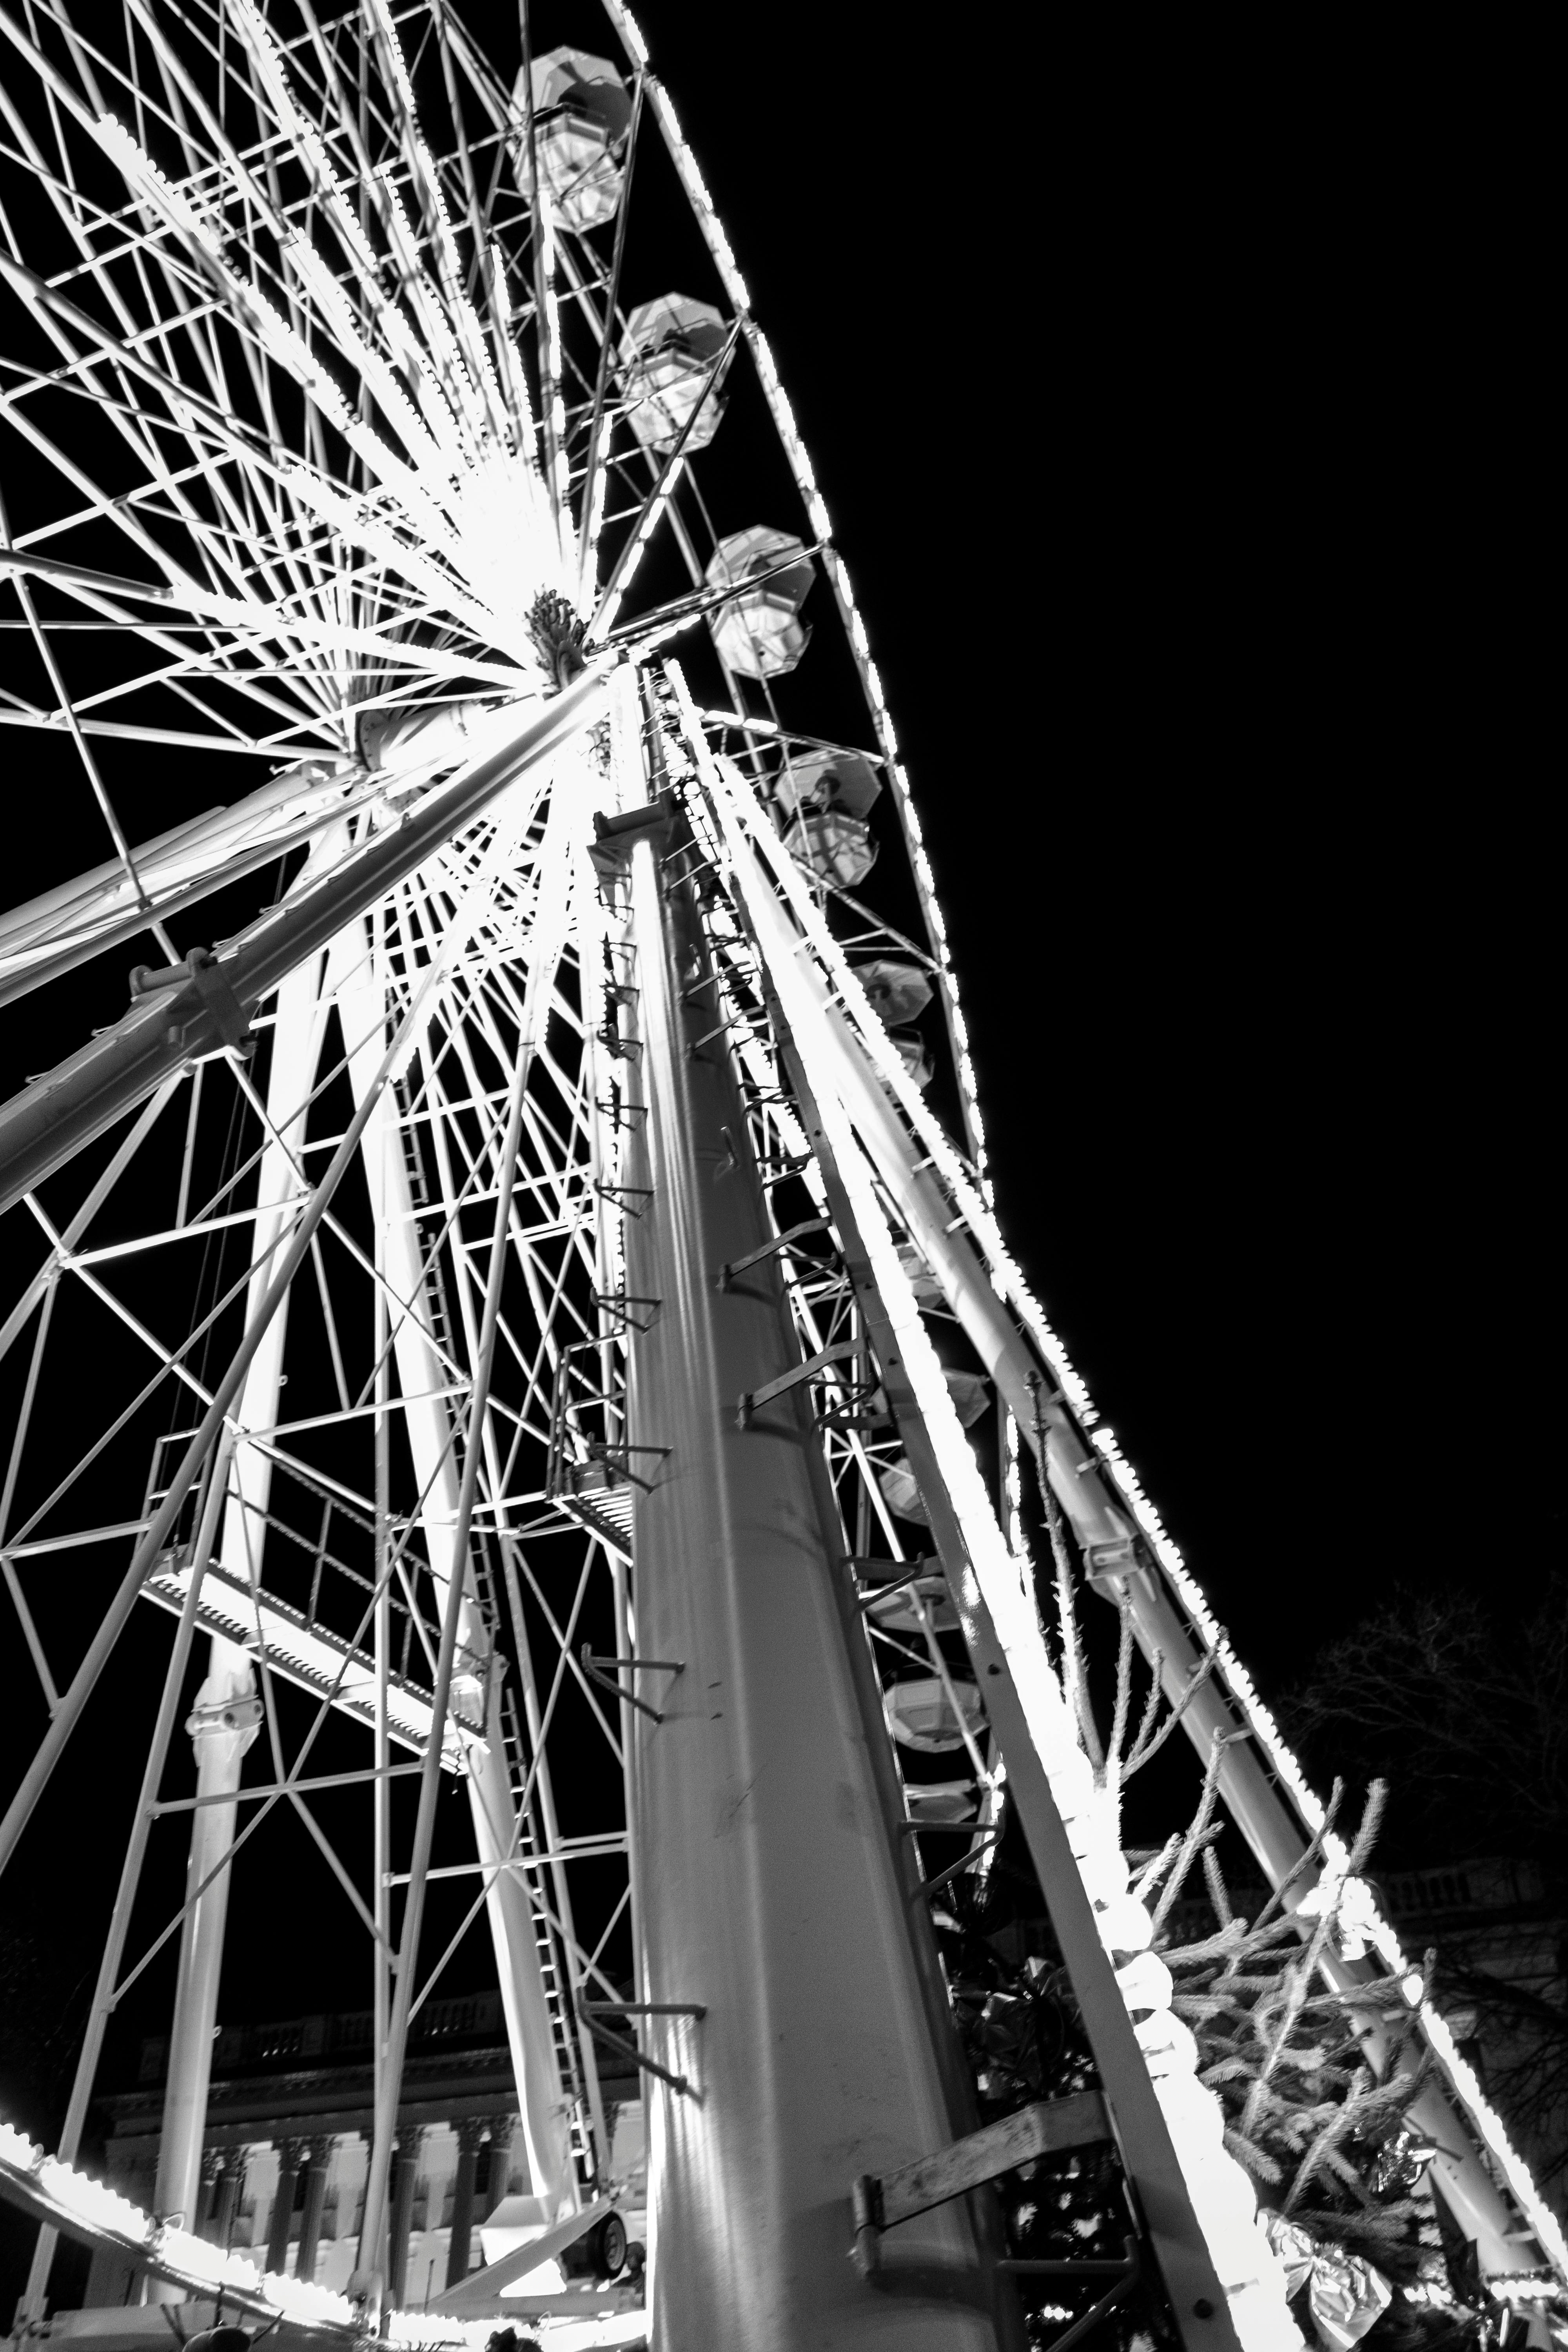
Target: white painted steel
314 489
770 1897
229 1689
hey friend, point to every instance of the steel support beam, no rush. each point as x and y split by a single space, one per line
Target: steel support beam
1198 2296
63 928
1098 1518
65 1109
770 1890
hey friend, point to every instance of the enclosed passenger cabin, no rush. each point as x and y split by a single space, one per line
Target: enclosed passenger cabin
844 781
665 369
898 988
758 632
821 801
582 115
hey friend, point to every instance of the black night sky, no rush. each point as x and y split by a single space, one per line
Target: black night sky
1138 371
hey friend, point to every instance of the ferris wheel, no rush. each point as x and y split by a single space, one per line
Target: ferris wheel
522 1310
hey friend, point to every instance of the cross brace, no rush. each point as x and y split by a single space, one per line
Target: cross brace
1047 2129
755 1397
770 1249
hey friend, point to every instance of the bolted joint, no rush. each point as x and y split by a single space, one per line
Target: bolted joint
1108 1565
223 1718
202 993
865 2199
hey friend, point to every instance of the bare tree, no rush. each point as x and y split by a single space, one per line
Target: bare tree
1466 1717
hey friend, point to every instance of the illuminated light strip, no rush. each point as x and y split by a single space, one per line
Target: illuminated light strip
1368 1920
412 2331
312 150
889 1067
424 500
268 621
350 517
801 466
1124 1481
473 362
176 2253
1520 2286
281 343
653 515
1223 2200
560 468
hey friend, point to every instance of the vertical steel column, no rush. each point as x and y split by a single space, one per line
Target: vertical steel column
778 1927
222 1726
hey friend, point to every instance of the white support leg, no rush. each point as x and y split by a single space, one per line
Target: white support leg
228 1712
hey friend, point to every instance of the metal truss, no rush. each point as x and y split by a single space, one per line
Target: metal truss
318 452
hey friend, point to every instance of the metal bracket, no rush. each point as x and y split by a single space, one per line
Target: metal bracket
768 1249
1048 2127
929 1885
783 1168
1106 1564
591 2012
619 1457
621 1196
614 836
593 1668
620 1049
858 1408
215 996
756 1398
617 1305
927 1565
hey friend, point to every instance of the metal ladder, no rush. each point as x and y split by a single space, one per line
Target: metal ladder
551 1968
562 2022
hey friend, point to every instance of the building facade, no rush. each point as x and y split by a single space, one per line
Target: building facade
288 2143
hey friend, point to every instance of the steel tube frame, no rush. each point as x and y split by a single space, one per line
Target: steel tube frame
1098 1517
773 1889
53 1117
67 926
292 1257
104 1991
1198 2298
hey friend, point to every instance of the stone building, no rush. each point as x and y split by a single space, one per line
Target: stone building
1501 1980
287 2143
